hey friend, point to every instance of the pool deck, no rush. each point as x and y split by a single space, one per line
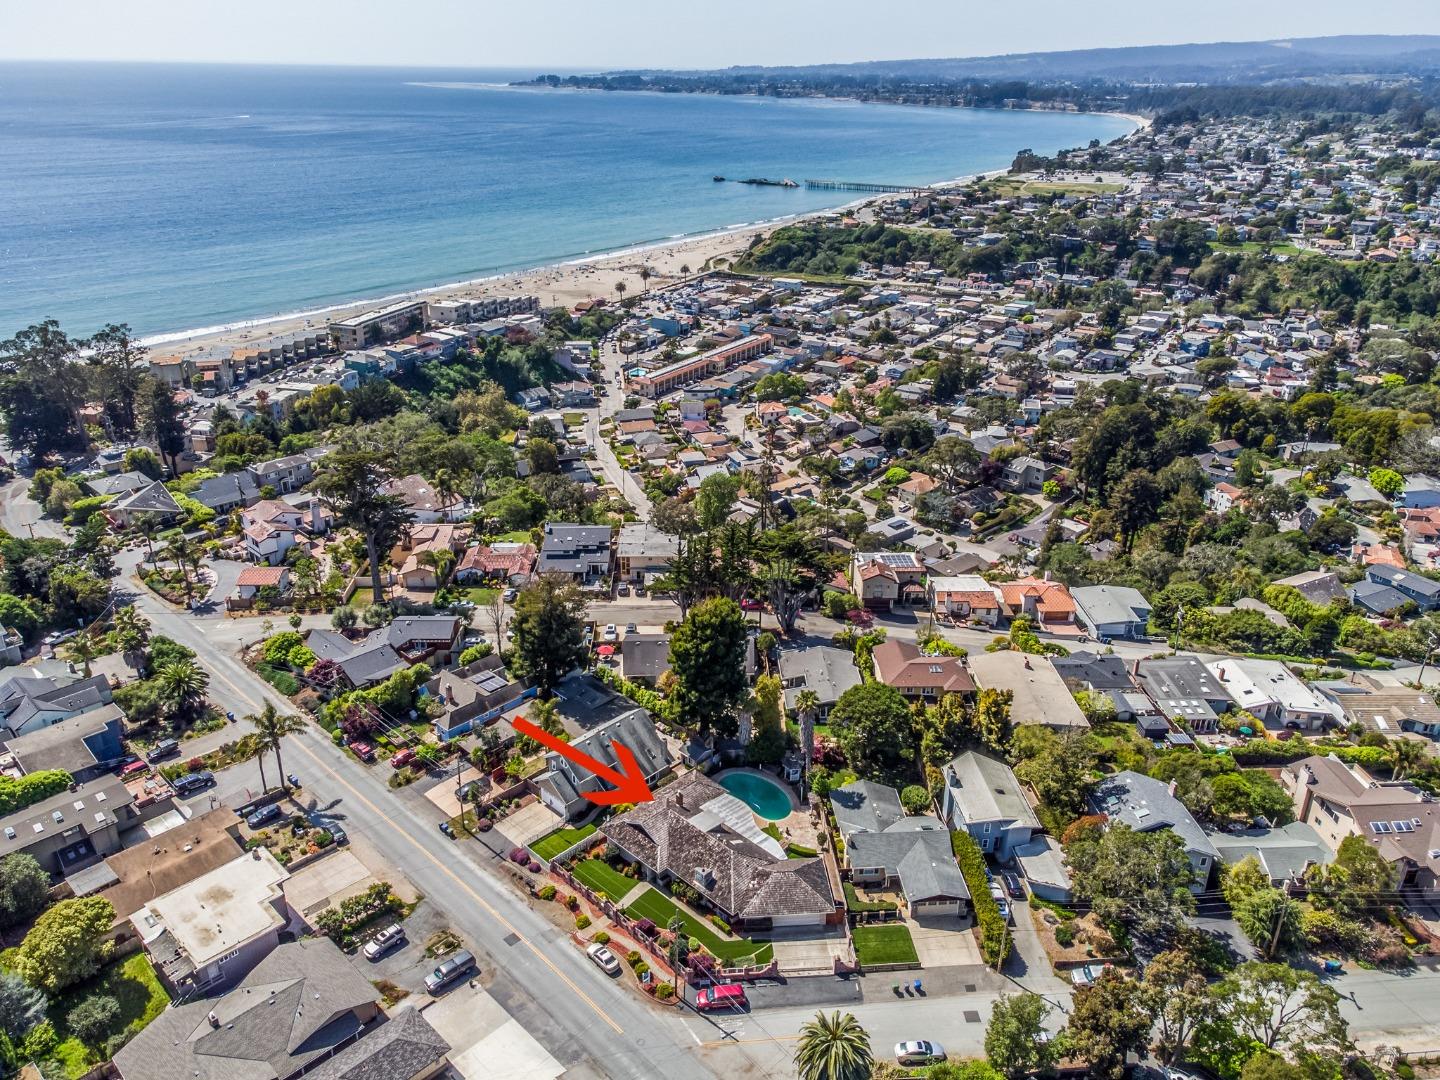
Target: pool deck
798 827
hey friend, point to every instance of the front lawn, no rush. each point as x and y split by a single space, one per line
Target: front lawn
660 910
136 988
480 596
888 943
552 844
603 878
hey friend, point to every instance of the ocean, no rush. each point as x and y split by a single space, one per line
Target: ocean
173 197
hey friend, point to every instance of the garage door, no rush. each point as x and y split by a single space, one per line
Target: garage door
935 907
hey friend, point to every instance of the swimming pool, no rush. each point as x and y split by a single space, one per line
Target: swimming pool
760 793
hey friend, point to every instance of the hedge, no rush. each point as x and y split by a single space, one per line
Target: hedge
32 788
995 937
1274 752
855 904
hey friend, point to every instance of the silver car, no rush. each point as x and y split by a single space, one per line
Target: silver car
384 941
921 1052
604 959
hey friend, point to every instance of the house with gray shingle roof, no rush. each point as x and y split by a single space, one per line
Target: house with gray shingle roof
1148 805
303 1009
680 837
153 502
983 797
563 783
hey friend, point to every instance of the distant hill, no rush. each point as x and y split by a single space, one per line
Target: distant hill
1225 61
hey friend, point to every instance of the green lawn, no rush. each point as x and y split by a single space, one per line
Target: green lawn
603 878
660 910
479 595
552 844
885 944
132 982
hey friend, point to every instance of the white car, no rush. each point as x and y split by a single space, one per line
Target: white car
921 1052
611 634
604 959
1088 975
384 941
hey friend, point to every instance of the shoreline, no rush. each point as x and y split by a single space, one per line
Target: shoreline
559 283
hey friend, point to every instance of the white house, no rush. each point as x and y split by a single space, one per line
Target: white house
1267 690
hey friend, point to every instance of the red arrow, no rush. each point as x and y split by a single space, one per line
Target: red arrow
629 782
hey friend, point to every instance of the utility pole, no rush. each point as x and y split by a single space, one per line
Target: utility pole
1279 925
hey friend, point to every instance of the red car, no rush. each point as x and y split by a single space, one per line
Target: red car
404 757
134 769
752 605
363 750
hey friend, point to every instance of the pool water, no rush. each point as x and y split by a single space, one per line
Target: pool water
761 794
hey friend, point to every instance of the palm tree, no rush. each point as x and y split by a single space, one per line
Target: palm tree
183 683
645 279
441 560
272 726
131 631
1404 755
252 746
620 289
179 550
84 647
546 716
807 704
833 1047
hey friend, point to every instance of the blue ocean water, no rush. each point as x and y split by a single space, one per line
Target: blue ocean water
179 196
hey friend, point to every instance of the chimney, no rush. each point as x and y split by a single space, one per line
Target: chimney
214 1020
1171 788
680 800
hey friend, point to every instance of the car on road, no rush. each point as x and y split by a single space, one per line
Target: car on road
193 782
611 633
403 758
1013 885
1088 975
920 1052
449 971
384 941
264 816
604 959
163 749
724 996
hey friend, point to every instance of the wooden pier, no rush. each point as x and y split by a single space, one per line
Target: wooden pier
853 185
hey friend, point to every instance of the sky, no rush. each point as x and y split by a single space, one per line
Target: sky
603 34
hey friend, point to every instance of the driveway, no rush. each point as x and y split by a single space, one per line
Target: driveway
486 1041
530 823
944 942
811 951
316 887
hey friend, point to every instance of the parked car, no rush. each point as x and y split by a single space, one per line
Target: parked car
447 830
631 628
1088 975
921 1052
622 589
403 758
135 768
724 996
193 782
337 833
450 971
363 750
264 816
1013 885
751 605
384 941
509 595
59 637
611 633
163 749
604 959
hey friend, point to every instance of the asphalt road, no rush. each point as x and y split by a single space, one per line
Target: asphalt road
21 516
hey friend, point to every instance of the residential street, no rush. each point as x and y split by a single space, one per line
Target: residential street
21 516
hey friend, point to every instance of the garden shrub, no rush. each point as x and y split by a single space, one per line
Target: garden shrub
547 892
582 921
995 938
